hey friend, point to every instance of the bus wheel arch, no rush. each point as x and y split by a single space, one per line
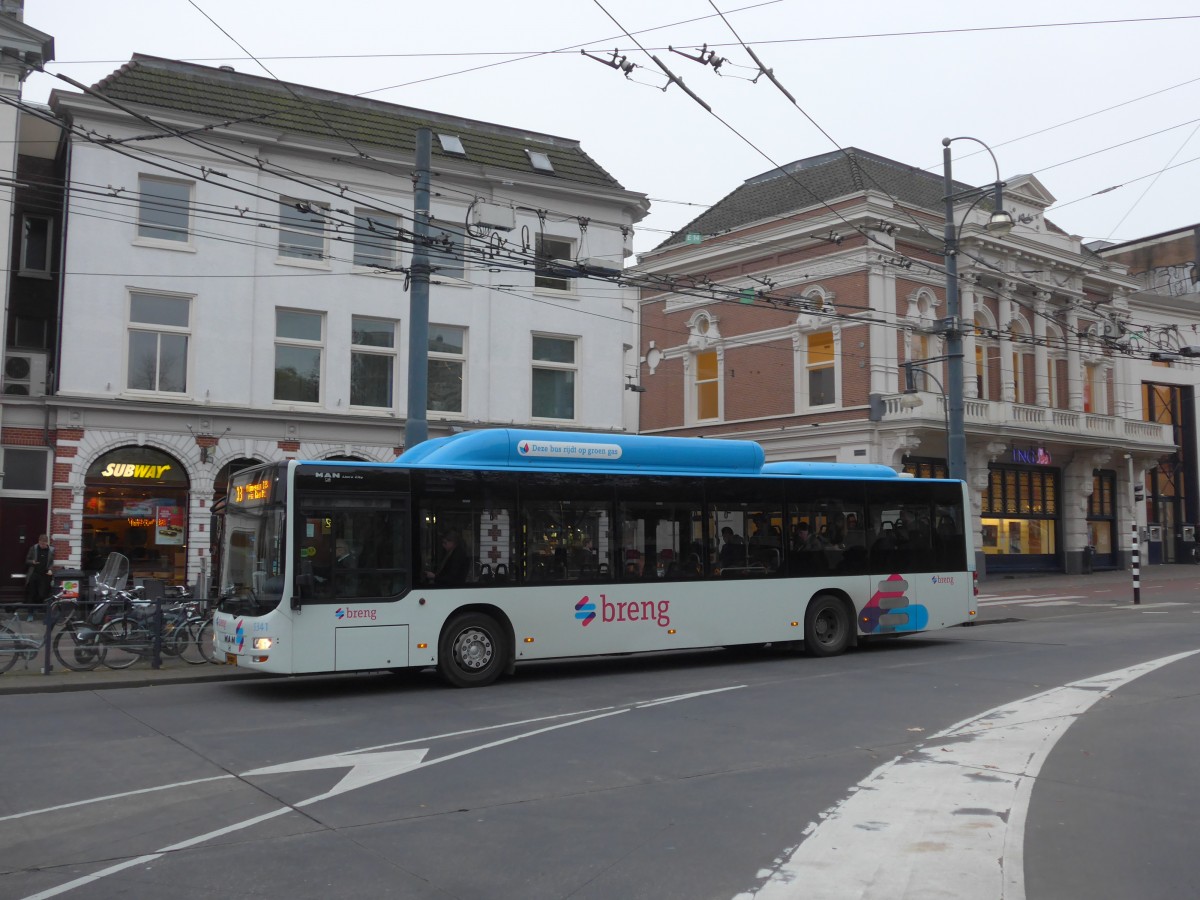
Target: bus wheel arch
475 646
829 624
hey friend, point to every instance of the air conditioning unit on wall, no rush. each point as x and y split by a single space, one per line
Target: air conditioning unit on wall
25 373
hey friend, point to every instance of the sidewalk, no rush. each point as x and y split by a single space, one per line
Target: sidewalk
28 679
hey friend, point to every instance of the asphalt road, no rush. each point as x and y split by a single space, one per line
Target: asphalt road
1046 752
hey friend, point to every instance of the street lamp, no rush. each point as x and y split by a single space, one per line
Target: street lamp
912 399
1001 222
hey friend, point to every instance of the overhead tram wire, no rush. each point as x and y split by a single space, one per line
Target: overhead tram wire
1032 309
515 260
775 81
312 57
286 86
1014 298
1150 186
490 262
674 79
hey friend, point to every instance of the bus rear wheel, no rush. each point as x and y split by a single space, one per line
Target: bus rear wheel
826 626
472 651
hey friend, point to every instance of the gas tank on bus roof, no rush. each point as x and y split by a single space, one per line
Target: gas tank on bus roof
523 448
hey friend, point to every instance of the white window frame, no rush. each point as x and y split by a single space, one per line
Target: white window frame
306 253
460 241
459 358
184 241
303 343
552 284
384 241
30 271
809 368
185 331
554 366
389 352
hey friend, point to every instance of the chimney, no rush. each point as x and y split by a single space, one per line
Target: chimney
14 8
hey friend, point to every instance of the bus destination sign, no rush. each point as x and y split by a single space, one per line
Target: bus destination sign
254 492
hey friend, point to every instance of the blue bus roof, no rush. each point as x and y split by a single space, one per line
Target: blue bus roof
567 451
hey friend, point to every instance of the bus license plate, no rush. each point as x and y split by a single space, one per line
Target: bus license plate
230 659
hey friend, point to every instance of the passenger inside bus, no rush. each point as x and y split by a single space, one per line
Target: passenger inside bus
454 563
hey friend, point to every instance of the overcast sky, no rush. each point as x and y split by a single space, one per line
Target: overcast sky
859 73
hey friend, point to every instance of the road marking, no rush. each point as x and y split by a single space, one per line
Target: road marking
149 790
948 818
367 766
1028 599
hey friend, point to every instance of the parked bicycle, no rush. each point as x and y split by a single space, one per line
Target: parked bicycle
186 632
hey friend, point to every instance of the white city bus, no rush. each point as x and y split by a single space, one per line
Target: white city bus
488 548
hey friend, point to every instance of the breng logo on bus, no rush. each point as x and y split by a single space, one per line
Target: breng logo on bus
943 579
343 613
624 611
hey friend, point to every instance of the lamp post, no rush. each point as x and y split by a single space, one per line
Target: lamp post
911 399
1000 222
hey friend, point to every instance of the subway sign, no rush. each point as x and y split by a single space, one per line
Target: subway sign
133 470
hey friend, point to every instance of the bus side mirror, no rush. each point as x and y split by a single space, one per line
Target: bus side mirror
303 589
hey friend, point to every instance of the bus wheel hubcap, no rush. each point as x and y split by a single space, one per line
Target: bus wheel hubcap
474 649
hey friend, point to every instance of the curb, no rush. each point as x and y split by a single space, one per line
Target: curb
60 682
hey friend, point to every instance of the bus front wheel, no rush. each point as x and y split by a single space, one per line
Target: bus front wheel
826 626
473 650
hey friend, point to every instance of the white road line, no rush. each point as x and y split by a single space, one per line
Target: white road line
149 790
1028 600
948 818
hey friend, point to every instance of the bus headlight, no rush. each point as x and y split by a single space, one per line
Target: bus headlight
262 643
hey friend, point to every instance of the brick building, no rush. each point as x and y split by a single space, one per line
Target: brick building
788 311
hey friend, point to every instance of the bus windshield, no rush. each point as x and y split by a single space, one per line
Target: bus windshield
253 547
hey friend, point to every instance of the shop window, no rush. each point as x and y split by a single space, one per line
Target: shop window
135 503
1020 513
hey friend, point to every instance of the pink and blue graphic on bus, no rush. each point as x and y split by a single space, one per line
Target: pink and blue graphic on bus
585 611
240 634
889 609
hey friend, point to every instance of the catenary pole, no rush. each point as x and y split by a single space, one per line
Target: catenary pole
416 426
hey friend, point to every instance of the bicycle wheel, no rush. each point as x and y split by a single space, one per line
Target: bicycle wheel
175 637
187 642
9 642
123 642
77 654
207 642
